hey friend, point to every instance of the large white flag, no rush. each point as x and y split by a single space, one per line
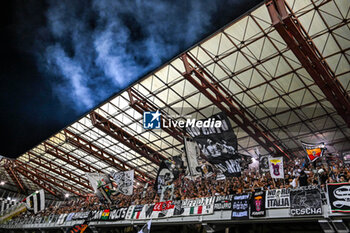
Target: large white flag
36 201
276 167
101 185
94 179
125 181
146 228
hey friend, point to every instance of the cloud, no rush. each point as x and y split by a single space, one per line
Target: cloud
99 47
73 76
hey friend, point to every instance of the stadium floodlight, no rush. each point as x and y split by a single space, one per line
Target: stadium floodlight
326 226
66 195
2 183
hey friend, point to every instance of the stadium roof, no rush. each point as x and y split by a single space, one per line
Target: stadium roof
280 83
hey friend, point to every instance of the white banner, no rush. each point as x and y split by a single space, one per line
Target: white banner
277 198
61 219
197 206
94 179
125 181
101 185
276 167
134 212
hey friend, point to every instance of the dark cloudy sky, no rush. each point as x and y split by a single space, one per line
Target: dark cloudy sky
61 58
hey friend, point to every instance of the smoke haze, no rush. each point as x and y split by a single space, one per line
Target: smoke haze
62 58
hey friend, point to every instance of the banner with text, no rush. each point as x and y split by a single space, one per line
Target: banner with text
240 206
257 204
305 201
277 198
197 206
218 144
339 197
223 202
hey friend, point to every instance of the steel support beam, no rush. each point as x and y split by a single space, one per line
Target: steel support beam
37 179
70 159
106 157
59 170
14 176
49 178
141 104
124 137
292 32
213 90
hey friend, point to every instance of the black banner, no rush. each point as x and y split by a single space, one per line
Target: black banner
218 144
257 204
240 206
81 215
306 201
339 197
165 176
96 215
223 202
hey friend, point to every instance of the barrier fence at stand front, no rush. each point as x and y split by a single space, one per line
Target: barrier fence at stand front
282 205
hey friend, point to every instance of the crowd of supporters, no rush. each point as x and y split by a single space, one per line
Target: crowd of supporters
298 172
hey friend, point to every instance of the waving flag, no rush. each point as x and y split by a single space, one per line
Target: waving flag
263 163
102 186
218 145
6 204
314 151
36 201
125 181
165 176
276 167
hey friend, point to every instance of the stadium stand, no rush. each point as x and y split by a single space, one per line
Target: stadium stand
280 74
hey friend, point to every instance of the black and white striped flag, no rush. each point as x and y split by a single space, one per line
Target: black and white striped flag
6 204
36 201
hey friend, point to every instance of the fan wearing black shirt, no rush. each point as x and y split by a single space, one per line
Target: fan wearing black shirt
303 178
